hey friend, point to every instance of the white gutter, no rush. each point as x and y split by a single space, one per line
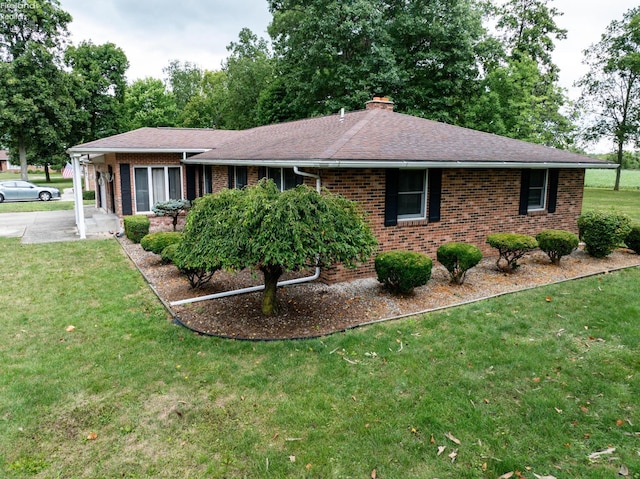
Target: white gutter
253 289
409 164
77 194
91 151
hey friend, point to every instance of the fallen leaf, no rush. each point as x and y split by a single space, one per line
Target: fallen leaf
374 474
548 299
506 475
453 456
559 411
70 329
292 458
432 440
441 449
92 436
308 466
596 455
536 380
543 477
624 471
584 409
452 438
275 436
619 422
484 467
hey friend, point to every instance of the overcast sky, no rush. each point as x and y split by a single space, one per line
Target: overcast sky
153 32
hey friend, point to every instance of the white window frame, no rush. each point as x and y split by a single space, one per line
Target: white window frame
543 188
235 177
150 191
423 203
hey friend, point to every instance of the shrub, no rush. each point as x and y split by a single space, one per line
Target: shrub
511 247
169 253
157 242
458 258
633 239
171 208
89 195
198 268
401 271
557 243
136 227
602 232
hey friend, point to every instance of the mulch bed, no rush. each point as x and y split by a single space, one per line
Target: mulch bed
315 309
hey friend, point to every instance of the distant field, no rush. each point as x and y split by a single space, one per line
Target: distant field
629 179
625 201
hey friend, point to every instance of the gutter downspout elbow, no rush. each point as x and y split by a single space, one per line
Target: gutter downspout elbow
297 171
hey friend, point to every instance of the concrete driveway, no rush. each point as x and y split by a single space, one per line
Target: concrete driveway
49 226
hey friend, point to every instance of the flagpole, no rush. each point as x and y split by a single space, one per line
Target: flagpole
77 194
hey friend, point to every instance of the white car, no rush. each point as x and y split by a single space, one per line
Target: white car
24 191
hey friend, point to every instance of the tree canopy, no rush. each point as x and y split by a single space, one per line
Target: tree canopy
611 89
237 229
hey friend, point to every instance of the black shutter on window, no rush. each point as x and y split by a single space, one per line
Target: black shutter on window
125 189
435 193
191 182
553 190
391 197
262 172
230 175
524 192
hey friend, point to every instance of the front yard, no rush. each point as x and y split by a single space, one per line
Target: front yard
97 382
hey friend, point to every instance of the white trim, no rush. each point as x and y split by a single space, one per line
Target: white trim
545 189
149 169
423 206
406 164
91 151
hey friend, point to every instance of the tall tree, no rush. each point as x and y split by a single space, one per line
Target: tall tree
249 71
34 95
99 76
207 109
521 96
148 103
184 81
610 96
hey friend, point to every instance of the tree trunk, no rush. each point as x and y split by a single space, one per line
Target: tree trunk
616 186
22 153
47 173
269 299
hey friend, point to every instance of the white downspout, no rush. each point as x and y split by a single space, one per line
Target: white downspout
77 193
253 289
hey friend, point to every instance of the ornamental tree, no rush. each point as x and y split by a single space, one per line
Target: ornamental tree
260 227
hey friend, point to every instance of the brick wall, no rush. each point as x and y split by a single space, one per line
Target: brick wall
475 203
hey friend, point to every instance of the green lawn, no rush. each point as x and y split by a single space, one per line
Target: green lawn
629 179
96 382
624 201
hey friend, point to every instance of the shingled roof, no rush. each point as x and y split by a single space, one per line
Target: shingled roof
378 137
158 140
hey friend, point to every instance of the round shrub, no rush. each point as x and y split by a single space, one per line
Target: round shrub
169 253
557 243
401 271
602 232
157 242
633 239
197 268
511 247
136 227
458 258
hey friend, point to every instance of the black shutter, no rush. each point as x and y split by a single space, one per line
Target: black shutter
262 172
524 192
230 175
391 197
435 193
125 189
191 182
553 190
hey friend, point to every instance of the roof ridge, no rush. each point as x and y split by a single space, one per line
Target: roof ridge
332 149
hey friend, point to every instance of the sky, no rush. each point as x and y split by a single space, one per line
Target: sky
154 32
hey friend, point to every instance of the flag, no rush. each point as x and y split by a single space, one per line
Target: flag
67 171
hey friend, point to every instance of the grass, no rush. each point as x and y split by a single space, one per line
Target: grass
629 179
623 201
531 382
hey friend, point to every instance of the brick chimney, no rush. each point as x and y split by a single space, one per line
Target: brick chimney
380 103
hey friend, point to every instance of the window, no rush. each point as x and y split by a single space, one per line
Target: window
411 194
207 177
407 196
239 177
156 183
537 190
284 178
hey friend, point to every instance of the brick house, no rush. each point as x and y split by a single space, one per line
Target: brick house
422 183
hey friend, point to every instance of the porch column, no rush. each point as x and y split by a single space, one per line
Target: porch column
77 194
